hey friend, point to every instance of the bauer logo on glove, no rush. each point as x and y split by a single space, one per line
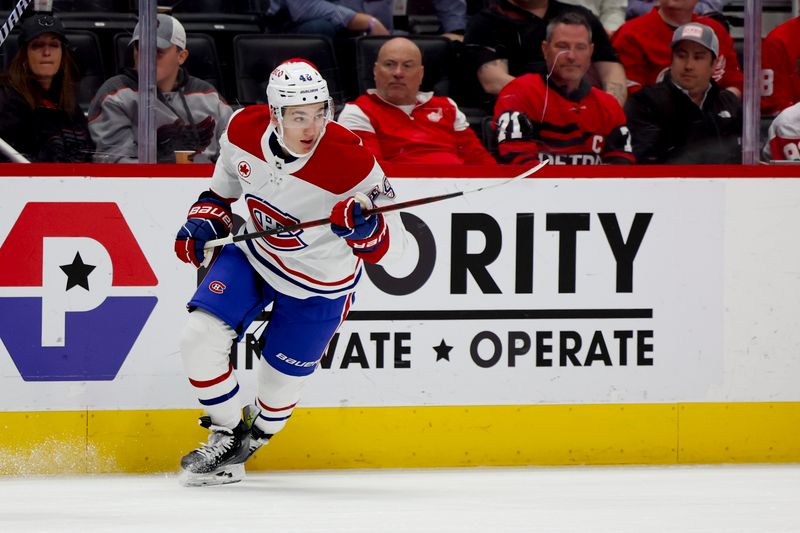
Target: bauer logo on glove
209 218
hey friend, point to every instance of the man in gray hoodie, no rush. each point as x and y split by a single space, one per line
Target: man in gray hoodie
190 113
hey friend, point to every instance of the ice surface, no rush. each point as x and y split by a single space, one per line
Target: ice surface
686 499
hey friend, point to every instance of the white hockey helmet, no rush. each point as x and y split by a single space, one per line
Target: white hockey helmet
296 82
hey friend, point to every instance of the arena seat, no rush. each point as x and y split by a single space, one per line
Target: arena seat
203 61
255 56
488 135
103 15
210 16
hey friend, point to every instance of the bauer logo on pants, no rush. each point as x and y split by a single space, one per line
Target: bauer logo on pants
72 291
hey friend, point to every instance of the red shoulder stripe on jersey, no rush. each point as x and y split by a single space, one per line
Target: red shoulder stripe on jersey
248 127
339 162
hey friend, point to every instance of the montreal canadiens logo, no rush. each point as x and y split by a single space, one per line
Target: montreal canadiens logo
243 167
217 287
266 216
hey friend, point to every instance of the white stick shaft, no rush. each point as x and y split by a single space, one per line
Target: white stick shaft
11 153
525 174
213 243
13 18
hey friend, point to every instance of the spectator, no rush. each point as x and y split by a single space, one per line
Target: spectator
504 41
39 112
783 142
643 46
371 17
330 18
190 114
686 118
637 8
400 124
780 64
610 12
558 116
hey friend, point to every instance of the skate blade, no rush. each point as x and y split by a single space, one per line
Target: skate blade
221 476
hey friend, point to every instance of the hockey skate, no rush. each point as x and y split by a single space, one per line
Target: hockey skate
219 461
257 437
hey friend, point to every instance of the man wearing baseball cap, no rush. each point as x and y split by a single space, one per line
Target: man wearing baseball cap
686 118
190 113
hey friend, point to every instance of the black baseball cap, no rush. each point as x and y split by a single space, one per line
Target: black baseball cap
37 24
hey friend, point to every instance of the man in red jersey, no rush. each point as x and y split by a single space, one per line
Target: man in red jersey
559 116
643 46
780 67
400 124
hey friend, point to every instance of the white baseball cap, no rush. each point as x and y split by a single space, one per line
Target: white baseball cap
170 32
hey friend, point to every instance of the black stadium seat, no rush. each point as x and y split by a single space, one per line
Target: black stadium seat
488 135
255 56
216 15
103 15
202 62
437 56
85 48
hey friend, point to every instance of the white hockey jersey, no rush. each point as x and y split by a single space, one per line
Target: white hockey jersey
783 143
280 190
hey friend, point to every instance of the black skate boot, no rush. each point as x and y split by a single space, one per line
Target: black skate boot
257 437
219 461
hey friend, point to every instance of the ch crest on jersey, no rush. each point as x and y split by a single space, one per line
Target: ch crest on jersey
266 216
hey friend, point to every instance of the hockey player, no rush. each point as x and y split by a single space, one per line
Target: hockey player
289 162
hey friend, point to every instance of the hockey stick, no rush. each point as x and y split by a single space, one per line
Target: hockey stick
13 18
11 153
391 207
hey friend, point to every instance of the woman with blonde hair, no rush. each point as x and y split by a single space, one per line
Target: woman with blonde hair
39 112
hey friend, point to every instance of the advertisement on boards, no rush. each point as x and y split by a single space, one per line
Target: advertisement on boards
545 291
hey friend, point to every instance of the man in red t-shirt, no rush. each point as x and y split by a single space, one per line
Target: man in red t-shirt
400 124
643 46
780 67
559 117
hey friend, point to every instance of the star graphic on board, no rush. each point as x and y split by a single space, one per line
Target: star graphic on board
77 272
442 351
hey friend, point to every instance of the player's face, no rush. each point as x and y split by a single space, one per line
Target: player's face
44 57
568 54
398 72
692 66
302 126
